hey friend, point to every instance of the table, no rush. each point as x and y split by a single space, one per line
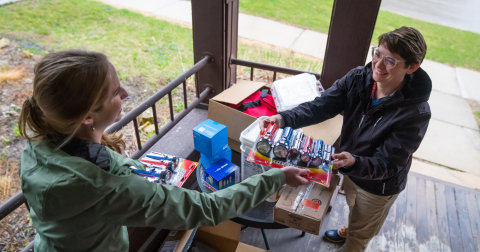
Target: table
260 216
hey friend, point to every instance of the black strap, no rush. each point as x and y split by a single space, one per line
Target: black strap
253 104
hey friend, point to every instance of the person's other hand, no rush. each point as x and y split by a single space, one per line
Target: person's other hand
278 119
342 159
293 176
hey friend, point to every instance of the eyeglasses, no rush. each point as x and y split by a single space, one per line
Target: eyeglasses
389 62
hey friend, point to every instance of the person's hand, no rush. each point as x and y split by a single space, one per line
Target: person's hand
278 119
342 159
293 176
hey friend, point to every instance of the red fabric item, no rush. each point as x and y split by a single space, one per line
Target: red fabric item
266 108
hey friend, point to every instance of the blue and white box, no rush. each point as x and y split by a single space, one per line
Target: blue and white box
210 138
208 161
222 174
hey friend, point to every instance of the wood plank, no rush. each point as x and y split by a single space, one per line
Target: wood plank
338 219
410 222
422 221
474 213
464 220
401 214
442 218
433 241
388 232
453 225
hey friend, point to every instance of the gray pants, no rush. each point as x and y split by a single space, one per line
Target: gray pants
367 214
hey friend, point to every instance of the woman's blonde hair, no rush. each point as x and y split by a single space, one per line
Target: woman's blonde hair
67 86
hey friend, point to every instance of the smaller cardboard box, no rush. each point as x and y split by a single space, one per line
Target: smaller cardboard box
222 174
305 207
222 238
209 161
210 138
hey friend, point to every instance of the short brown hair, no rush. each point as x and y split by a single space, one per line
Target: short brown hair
407 42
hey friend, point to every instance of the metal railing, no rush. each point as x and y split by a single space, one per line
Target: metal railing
267 67
150 103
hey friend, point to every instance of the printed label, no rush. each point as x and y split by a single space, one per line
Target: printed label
169 246
311 204
173 233
201 129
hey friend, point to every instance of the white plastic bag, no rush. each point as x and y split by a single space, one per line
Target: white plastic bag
290 92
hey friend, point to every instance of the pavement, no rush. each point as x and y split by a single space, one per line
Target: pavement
451 148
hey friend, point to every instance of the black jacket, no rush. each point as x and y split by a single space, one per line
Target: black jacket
383 138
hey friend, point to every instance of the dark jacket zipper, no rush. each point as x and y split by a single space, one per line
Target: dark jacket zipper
373 128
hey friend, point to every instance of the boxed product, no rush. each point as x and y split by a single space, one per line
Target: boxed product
292 91
210 138
221 238
208 161
222 174
304 207
282 147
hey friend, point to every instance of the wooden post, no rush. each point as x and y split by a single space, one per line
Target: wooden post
349 36
215 33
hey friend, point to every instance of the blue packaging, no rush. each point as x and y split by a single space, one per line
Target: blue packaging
208 161
210 138
222 174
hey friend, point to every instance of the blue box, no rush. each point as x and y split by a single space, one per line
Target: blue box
208 161
210 138
222 174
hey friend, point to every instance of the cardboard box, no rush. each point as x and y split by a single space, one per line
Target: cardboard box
222 174
305 207
223 238
208 161
236 121
210 138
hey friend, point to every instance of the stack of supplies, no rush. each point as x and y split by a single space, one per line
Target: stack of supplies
211 140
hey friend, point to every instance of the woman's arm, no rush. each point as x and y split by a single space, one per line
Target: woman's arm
140 203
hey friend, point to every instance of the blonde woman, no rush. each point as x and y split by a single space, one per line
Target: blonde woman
81 192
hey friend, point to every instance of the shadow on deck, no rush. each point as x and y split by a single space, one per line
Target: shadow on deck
429 215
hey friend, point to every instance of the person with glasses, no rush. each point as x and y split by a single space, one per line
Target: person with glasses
386 115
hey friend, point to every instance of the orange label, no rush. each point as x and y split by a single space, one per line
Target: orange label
311 204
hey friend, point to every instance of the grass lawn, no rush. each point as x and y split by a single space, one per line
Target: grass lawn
137 45
446 45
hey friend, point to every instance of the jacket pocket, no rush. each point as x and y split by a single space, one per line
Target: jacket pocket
373 128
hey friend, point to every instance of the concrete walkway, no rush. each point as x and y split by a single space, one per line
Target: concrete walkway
452 143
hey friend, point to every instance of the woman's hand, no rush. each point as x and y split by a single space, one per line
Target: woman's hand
342 159
278 119
293 176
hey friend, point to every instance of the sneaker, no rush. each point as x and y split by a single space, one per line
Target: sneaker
335 235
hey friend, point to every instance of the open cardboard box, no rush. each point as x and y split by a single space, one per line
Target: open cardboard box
222 238
305 211
237 121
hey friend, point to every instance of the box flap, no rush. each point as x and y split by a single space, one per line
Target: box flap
223 237
238 92
242 247
290 198
328 131
235 120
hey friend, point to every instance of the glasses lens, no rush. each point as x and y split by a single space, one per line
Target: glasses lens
390 62
376 54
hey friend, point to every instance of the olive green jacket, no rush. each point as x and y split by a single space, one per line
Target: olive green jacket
76 206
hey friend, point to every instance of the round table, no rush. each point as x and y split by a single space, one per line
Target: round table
260 216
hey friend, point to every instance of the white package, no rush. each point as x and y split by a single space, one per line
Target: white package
290 92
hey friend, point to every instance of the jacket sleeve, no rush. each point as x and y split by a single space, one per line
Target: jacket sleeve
140 203
394 154
330 104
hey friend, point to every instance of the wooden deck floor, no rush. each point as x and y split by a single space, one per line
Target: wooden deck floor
429 215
